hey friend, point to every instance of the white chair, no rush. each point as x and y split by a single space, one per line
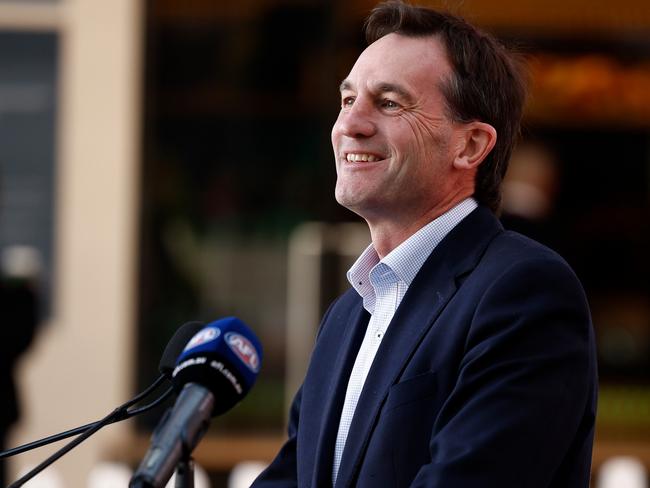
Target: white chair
48 478
244 473
622 472
109 475
201 478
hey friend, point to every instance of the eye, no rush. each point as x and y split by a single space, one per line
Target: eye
389 104
347 102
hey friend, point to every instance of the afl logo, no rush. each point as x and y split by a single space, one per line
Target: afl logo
201 337
244 350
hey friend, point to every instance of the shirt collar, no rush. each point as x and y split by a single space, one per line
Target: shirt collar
359 276
407 258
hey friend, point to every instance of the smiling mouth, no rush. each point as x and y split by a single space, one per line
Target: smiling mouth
362 158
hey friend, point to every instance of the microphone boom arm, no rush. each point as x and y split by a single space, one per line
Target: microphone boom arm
120 413
78 430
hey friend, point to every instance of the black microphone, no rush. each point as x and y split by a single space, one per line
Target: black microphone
215 371
176 345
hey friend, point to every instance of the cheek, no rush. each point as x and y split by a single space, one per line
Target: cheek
418 131
426 140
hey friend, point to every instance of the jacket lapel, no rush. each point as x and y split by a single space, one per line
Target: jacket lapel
341 365
427 296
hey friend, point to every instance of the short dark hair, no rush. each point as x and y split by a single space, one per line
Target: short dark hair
488 83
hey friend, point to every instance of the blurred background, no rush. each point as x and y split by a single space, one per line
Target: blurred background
169 160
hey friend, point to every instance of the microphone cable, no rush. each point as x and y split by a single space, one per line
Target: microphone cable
167 362
117 415
125 414
172 350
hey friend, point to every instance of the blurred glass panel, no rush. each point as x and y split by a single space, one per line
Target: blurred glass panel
237 156
28 87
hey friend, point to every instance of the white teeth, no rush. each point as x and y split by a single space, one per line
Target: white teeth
354 157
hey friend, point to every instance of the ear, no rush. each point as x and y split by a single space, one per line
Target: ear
476 141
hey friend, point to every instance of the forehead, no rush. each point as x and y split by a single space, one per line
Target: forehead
414 62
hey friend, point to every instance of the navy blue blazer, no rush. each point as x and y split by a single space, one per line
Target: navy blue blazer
486 377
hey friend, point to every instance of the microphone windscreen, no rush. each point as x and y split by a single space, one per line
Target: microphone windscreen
176 345
224 357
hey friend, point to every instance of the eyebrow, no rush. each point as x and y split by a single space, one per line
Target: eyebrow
383 87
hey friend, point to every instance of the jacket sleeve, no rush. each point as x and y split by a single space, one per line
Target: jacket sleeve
525 394
282 472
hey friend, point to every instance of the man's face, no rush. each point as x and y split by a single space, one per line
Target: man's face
393 140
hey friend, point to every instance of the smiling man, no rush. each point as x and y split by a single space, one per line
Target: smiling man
463 354
401 158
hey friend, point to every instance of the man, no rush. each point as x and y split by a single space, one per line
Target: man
463 354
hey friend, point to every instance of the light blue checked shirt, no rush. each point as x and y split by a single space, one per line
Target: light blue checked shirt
382 284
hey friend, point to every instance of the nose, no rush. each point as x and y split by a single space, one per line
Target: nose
356 121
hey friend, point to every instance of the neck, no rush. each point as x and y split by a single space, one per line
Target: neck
388 233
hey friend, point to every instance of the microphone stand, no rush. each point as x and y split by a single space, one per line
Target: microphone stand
120 413
69 433
185 466
185 470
